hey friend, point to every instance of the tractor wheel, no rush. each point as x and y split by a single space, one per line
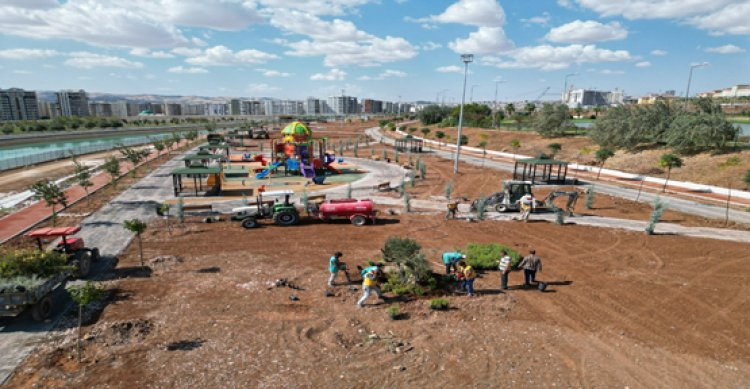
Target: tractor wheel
95 254
359 220
84 263
249 223
501 208
42 310
286 218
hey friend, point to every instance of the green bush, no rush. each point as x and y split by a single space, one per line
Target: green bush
393 310
439 304
486 256
27 263
398 286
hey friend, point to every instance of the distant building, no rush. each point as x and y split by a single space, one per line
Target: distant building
372 106
343 105
235 107
172 109
742 90
312 106
73 103
18 104
584 98
193 109
252 108
48 110
652 98
119 109
100 109
213 109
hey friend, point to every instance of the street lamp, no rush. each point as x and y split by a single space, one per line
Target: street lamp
471 94
494 106
565 89
690 78
467 59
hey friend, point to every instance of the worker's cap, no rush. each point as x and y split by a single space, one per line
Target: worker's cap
463 257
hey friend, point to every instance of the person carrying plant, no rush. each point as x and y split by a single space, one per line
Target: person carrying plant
334 265
370 283
505 267
450 259
469 275
530 265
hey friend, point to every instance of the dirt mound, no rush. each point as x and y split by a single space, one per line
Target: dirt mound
121 332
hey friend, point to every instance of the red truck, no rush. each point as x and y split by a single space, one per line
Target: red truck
357 211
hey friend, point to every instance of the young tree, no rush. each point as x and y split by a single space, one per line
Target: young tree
516 144
602 155
425 131
112 167
530 108
554 148
52 195
133 156
82 176
669 162
137 227
552 120
159 146
440 135
84 295
510 109
483 145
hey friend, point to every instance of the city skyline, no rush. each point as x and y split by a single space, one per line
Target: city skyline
388 50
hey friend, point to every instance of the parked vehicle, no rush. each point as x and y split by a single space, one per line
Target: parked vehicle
282 213
507 199
357 211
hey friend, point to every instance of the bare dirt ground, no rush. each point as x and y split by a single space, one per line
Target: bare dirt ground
623 310
703 168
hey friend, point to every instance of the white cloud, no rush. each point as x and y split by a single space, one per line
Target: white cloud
215 14
719 16
547 57
658 53
340 42
541 20
273 73
610 72
430 46
146 53
382 76
187 70
261 88
644 64
20 71
198 42
332 75
222 56
88 60
317 7
25 54
187 51
149 76
566 4
726 49
489 18
450 69
588 31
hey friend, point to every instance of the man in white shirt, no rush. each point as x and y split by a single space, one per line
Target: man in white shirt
505 267
527 205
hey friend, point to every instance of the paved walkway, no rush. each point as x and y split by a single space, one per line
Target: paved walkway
103 229
674 203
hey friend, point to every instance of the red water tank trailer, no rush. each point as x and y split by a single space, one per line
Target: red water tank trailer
357 211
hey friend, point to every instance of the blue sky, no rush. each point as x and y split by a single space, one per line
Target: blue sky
371 48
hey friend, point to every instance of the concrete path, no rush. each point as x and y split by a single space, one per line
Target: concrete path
674 203
103 229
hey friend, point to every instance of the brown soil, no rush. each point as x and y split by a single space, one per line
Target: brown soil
702 168
624 309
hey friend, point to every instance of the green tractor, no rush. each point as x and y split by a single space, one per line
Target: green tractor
282 213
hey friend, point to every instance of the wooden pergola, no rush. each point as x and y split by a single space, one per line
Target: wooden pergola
413 145
197 174
540 171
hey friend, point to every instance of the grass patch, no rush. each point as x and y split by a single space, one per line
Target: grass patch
486 256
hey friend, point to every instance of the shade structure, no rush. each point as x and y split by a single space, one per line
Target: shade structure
297 131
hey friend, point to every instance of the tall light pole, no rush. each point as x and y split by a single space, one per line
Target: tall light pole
565 89
690 78
494 106
467 59
471 94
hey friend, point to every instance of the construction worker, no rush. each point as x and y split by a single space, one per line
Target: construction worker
450 259
527 205
452 208
530 265
504 268
334 265
469 275
370 284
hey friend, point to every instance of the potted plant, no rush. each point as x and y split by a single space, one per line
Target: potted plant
393 312
439 304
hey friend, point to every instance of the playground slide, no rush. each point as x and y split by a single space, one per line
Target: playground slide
307 170
333 169
268 169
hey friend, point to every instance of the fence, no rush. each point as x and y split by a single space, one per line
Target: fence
12 162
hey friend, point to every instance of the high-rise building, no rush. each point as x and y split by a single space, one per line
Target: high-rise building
73 103
172 109
100 109
312 106
343 105
213 109
18 104
48 110
252 108
235 107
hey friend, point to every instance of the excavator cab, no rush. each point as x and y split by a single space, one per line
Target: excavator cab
517 189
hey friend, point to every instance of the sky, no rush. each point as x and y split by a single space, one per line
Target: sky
393 50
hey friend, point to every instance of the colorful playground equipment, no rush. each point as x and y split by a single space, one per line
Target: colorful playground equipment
299 152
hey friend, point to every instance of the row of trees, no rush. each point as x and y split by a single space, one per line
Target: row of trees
662 124
64 123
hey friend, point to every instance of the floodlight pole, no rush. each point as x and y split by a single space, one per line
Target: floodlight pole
467 59
690 78
494 106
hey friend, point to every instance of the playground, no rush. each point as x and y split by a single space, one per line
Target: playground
623 309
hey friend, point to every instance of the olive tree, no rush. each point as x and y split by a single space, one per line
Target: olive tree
52 195
84 295
669 162
137 227
602 155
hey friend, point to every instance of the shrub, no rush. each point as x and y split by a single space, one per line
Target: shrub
590 197
27 263
412 265
659 208
486 256
439 304
393 310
